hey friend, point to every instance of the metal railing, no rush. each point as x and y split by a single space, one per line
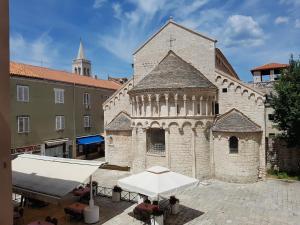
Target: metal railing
125 195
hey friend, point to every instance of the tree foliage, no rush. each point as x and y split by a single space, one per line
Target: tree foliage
286 103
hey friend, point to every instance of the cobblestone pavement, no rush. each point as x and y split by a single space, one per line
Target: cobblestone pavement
272 202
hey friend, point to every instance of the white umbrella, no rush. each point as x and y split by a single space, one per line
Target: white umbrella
157 181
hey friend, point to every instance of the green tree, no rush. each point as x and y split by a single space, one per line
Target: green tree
286 103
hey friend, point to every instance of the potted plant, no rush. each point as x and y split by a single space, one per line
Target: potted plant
174 202
157 217
116 193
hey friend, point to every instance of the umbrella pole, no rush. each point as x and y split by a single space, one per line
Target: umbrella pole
91 202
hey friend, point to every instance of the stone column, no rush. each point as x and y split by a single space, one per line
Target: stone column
133 148
201 98
193 152
132 106
137 106
143 106
193 100
157 102
176 104
150 103
168 153
206 106
184 105
167 103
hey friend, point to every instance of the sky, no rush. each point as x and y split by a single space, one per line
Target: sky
250 33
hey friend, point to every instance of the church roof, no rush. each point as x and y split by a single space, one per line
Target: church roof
43 73
173 72
235 121
121 122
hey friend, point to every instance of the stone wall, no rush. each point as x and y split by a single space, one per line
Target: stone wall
118 102
191 47
118 147
237 167
245 99
282 157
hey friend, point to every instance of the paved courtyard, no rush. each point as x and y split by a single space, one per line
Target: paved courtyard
273 202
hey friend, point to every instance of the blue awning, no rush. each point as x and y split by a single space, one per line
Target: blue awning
90 140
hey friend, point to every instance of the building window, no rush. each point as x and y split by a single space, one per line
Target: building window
216 108
156 141
76 70
224 90
86 121
59 96
88 72
233 144
272 135
198 108
178 109
84 71
271 117
79 70
23 124
87 100
22 93
59 122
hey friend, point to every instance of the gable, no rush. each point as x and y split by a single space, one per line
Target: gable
235 121
171 22
121 122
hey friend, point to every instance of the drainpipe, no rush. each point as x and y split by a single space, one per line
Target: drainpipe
74 125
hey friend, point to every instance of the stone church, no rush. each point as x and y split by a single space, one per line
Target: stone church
185 108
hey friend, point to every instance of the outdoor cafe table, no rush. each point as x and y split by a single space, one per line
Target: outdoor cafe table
144 209
81 191
40 222
77 207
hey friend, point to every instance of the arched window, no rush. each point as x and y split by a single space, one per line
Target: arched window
88 72
233 144
75 69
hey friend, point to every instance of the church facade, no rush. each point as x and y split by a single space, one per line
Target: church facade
185 108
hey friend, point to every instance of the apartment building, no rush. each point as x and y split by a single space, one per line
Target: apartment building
57 113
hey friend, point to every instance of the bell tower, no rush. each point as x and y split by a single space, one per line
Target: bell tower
81 65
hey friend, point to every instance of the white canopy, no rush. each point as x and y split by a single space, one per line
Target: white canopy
157 181
49 176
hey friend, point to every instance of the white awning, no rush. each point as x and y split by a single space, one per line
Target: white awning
50 176
56 141
157 181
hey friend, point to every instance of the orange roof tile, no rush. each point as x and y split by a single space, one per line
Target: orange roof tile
270 66
25 70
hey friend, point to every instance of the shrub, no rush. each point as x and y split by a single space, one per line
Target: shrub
157 212
117 189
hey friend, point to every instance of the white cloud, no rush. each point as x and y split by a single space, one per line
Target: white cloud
135 24
281 20
117 8
36 52
297 23
98 3
242 31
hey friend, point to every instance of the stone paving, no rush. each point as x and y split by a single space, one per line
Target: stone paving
272 202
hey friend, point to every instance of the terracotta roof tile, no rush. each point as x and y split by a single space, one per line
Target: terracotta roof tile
25 70
270 66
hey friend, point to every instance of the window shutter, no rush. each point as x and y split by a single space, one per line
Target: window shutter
26 94
62 122
57 123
